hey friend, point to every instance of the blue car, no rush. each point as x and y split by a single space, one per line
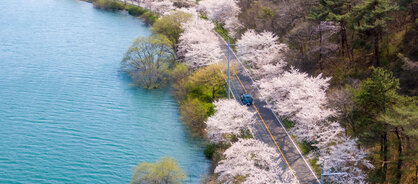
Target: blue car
246 99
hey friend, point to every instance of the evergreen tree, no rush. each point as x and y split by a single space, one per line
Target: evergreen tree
373 96
370 19
402 119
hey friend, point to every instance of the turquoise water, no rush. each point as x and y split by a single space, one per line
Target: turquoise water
67 115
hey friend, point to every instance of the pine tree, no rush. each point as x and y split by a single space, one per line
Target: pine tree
370 19
335 11
403 118
374 96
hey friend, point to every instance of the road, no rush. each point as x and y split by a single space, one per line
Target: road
269 128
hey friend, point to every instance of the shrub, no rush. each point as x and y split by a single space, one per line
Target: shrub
165 170
210 150
149 17
194 114
179 76
109 5
170 26
136 11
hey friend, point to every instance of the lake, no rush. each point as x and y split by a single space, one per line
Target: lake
67 114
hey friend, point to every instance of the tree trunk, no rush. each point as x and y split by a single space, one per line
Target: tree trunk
399 165
376 50
413 13
213 93
352 48
345 42
320 46
385 155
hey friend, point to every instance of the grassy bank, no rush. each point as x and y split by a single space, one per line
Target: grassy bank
149 17
195 91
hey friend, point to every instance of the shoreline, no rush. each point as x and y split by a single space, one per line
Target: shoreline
135 10
203 140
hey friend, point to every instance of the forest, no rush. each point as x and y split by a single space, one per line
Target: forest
368 49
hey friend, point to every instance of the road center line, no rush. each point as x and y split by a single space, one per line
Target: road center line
265 125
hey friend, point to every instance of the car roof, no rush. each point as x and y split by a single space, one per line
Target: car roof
247 95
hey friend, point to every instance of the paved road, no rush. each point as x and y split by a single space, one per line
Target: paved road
269 129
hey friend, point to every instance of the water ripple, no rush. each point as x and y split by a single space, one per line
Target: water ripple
67 115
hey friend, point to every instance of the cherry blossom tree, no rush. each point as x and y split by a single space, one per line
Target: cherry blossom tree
268 71
233 25
346 157
297 96
219 10
199 46
255 161
159 6
302 99
224 12
321 134
259 50
184 3
190 10
230 118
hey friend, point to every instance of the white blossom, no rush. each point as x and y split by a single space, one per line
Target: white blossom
190 10
184 3
224 12
297 96
302 99
233 25
254 160
259 50
230 118
198 44
219 10
268 71
346 157
159 6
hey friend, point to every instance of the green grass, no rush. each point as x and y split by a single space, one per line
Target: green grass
224 34
305 147
316 167
239 179
246 134
288 124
